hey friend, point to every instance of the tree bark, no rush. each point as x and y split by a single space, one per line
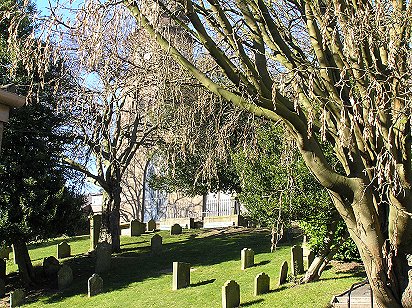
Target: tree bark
23 261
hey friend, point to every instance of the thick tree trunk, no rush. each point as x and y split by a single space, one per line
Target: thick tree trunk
23 261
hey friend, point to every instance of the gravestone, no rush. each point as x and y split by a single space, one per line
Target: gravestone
16 298
175 229
51 266
14 255
296 260
230 294
247 258
63 250
262 284
2 269
283 275
64 277
151 225
137 228
156 244
95 225
5 252
310 258
94 285
181 275
2 288
103 257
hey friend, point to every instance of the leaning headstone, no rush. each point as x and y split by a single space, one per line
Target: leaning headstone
2 269
95 225
137 228
156 244
5 252
296 260
63 250
94 285
247 258
50 266
283 275
103 257
16 298
181 275
230 294
2 288
64 277
176 229
151 225
262 284
310 258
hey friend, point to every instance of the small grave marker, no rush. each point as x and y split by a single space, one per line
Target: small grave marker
151 225
296 260
94 285
230 294
103 257
137 228
63 250
247 258
156 244
181 275
262 284
283 275
176 229
50 266
16 298
64 277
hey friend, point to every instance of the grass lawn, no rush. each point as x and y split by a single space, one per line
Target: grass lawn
138 279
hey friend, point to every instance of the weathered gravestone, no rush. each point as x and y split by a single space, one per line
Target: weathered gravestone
262 284
16 298
247 258
283 275
175 229
5 252
63 250
181 275
95 225
14 254
94 285
137 228
151 225
296 260
64 277
2 288
2 269
51 266
310 258
156 244
103 257
230 294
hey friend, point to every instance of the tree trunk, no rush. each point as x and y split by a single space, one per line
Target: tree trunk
23 261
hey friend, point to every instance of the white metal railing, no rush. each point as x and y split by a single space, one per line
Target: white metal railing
219 207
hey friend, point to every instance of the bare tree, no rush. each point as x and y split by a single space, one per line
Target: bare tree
334 72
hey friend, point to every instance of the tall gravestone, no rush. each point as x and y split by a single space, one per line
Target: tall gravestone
16 298
176 229
94 285
230 294
310 258
63 250
262 284
64 277
103 257
51 266
283 275
296 260
181 275
14 254
151 225
156 244
137 228
247 258
95 225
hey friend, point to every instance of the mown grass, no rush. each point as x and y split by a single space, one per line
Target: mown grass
139 279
